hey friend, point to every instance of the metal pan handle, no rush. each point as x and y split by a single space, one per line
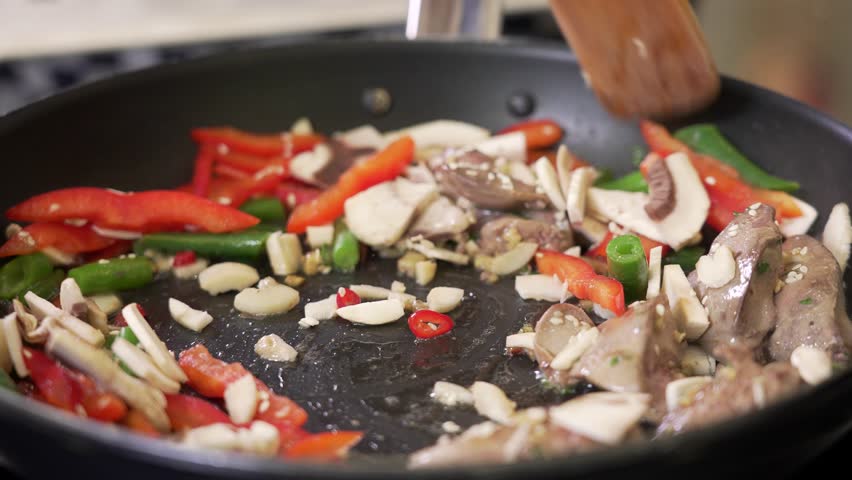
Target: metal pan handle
480 19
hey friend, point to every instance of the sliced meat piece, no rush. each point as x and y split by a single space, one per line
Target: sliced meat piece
441 218
742 310
739 387
472 175
553 330
811 305
637 352
489 443
501 234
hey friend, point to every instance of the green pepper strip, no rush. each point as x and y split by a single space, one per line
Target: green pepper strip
685 257
346 252
707 139
632 182
7 382
113 275
127 334
245 245
626 262
47 287
267 209
20 273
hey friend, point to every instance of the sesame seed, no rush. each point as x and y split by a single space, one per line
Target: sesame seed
710 180
224 200
752 213
53 207
557 320
222 149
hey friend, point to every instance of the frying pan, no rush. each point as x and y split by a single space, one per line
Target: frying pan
131 132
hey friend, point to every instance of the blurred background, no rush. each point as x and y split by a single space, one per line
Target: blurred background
799 48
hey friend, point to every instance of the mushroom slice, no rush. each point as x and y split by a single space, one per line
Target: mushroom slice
605 417
142 366
71 298
511 146
837 234
109 303
379 215
683 302
446 133
28 323
660 187
97 363
549 182
581 180
427 248
152 344
677 229
655 273
96 317
564 164
14 346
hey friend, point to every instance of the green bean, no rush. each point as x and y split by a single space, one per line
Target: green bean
245 245
7 382
632 182
113 275
627 264
346 251
267 209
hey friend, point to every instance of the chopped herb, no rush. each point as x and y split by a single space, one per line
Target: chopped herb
563 391
737 214
614 361
762 267
807 301
638 155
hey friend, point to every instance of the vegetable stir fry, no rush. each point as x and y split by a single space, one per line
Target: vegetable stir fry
675 296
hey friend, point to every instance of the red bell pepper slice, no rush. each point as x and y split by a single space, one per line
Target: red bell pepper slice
599 250
139 423
542 133
229 172
71 391
293 193
120 247
582 280
152 210
246 162
429 324
203 171
328 206
265 145
282 412
236 192
206 374
67 238
186 412
728 193
324 446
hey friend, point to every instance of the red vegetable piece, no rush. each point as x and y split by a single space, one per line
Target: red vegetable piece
186 257
229 172
246 162
282 412
147 211
346 297
293 193
139 423
186 412
324 446
207 375
328 206
236 192
67 238
203 171
265 145
582 280
120 247
542 133
429 323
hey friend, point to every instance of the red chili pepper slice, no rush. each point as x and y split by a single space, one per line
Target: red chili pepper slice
582 280
293 193
186 257
328 206
203 171
138 212
429 323
346 297
120 247
324 446
236 192
229 172
542 133
67 238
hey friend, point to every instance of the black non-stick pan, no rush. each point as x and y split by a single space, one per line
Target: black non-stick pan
131 132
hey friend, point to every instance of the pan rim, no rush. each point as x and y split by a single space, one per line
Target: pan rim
218 464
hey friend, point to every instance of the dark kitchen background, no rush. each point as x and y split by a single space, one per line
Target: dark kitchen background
798 48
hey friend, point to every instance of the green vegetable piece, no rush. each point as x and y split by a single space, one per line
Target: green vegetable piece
637 154
686 258
267 209
632 182
762 267
626 262
707 139
7 382
807 301
614 361
245 245
326 254
113 275
346 251
21 272
127 334
47 287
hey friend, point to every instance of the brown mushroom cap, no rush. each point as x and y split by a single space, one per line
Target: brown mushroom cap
660 187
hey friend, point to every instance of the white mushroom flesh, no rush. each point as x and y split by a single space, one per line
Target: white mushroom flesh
837 234
109 303
655 272
549 182
71 298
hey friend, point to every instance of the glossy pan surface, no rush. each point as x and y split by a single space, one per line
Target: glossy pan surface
131 132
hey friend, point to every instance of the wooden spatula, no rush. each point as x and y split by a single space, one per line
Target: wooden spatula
644 58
